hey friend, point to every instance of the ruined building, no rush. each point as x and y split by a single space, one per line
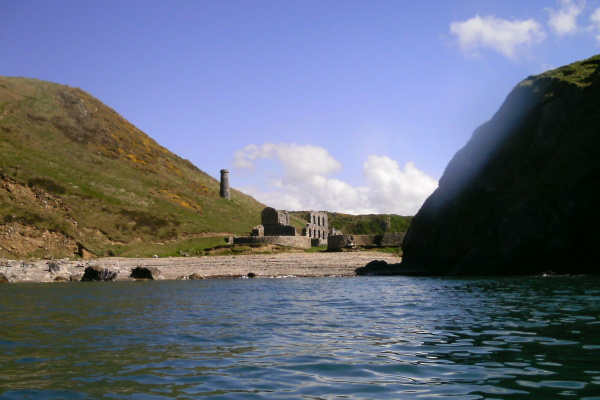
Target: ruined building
317 228
276 229
275 223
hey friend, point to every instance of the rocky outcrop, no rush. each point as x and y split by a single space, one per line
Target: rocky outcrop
523 196
141 272
97 273
383 268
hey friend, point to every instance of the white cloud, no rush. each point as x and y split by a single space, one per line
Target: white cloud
388 184
299 162
509 38
595 18
564 20
305 182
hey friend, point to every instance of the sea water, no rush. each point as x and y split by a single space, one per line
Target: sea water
302 338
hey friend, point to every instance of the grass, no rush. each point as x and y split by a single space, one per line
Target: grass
178 248
580 74
76 167
357 224
369 224
105 183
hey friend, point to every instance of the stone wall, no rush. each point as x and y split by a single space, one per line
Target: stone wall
341 242
391 239
302 242
279 230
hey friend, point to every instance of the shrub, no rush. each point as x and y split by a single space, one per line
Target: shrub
48 185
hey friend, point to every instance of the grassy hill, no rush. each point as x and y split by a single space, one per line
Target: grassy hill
76 177
369 224
358 224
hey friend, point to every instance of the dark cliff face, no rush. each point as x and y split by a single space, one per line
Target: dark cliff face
523 196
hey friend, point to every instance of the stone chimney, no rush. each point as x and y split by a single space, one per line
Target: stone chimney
225 192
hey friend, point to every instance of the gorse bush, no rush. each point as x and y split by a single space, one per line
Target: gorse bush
72 165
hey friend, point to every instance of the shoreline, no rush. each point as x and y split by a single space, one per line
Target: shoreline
205 267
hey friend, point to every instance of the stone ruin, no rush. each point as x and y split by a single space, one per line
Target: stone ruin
276 229
317 228
275 223
353 242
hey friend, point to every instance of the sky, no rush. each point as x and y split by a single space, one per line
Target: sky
338 105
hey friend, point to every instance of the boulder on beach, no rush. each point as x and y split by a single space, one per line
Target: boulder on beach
141 272
97 273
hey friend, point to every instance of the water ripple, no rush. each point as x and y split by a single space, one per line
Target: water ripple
325 338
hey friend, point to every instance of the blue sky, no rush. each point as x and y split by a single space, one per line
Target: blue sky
337 105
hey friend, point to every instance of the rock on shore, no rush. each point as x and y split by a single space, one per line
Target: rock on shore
264 265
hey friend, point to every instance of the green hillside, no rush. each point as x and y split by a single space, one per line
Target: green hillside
372 224
76 177
369 224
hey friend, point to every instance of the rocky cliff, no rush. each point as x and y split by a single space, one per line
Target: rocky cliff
523 196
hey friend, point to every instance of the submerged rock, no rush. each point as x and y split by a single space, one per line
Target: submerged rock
523 196
382 268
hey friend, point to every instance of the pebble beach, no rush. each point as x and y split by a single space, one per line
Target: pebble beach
261 265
